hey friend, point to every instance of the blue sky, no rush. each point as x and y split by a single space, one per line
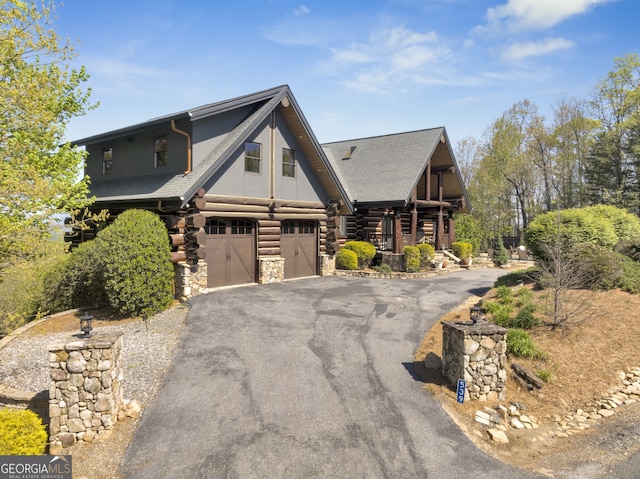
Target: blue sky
357 68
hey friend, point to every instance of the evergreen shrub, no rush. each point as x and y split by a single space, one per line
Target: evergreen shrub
462 249
520 345
630 280
603 267
411 259
21 433
427 253
364 250
346 259
500 256
138 274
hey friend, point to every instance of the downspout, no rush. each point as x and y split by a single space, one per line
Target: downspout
173 127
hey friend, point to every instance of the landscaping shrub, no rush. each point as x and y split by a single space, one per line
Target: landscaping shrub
21 433
574 226
462 249
79 281
520 345
500 256
525 317
625 224
138 274
630 248
525 295
469 230
411 259
383 268
22 287
603 267
427 253
364 250
630 279
346 259
504 294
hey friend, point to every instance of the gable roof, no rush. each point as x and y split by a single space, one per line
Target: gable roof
385 169
178 189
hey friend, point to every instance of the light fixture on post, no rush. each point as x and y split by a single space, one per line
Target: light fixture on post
85 324
476 314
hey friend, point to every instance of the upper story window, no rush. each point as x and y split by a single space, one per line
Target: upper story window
160 153
107 160
288 163
252 156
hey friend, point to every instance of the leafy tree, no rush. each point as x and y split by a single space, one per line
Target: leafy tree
39 94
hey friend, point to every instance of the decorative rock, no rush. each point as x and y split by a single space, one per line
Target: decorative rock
516 424
76 362
132 409
606 412
498 436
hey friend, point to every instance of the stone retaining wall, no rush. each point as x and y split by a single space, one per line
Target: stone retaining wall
85 394
477 354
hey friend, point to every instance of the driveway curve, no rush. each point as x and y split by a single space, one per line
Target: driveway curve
307 379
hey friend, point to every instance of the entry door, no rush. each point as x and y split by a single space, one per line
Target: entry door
230 252
299 247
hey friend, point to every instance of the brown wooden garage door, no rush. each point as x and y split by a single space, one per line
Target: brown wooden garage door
299 248
231 257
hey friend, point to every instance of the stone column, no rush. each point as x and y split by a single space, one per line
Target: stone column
327 264
85 393
271 269
477 354
191 280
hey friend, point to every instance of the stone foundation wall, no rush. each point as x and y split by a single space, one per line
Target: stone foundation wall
85 394
477 354
270 270
191 280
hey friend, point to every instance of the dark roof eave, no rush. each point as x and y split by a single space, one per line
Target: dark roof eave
141 203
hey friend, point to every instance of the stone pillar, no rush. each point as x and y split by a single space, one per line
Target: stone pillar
271 269
191 280
85 393
477 354
327 264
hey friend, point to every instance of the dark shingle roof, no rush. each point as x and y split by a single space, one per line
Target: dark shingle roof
383 168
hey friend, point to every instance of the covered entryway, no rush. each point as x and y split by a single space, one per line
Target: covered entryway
230 252
299 247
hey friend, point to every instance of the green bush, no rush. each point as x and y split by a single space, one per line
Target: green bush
504 294
570 227
602 267
630 248
520 345
411 259
500 256
22 286
469 230
79 281
545 375
383 268
364 250
630 280
21 433
525 295
462 249
138 274
525 318
500 313
346 259
625 224
427 253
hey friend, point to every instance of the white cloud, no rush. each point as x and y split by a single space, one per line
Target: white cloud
519 15
302 10
390 58
520 50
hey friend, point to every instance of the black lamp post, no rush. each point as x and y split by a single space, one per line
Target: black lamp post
85 324
476 314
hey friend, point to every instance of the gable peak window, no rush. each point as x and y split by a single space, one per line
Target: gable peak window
160 151
288 163
107 160
252 157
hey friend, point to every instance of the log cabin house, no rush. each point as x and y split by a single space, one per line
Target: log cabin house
404 188
250 196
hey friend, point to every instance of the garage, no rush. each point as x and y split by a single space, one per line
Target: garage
299 246
230 252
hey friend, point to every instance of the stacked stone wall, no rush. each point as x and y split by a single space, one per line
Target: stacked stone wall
271 270
86 393
191 280
477 354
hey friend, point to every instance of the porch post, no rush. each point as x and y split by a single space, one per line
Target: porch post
452 229
397 230
414 224
440 231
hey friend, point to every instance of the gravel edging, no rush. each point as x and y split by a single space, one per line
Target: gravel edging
147 353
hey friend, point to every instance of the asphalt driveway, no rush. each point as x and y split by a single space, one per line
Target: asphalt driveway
309 378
